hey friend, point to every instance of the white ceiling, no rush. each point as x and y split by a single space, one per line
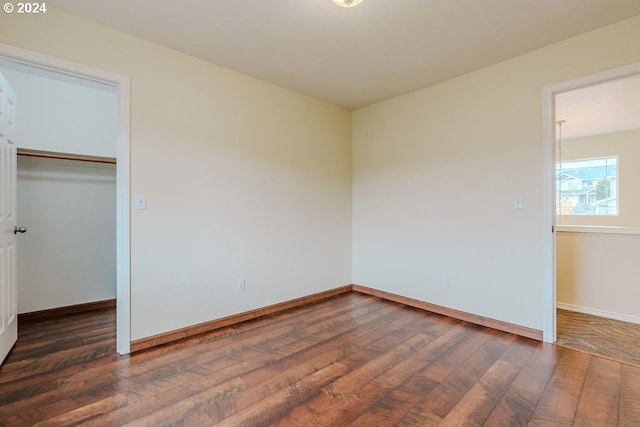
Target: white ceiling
358 56
608 107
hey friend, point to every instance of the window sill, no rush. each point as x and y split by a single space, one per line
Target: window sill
597 229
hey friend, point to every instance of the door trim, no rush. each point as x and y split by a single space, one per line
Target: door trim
123 257
548 188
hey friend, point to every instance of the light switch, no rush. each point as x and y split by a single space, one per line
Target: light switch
517 202
140 202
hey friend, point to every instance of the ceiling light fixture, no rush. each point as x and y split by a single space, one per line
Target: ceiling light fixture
347 3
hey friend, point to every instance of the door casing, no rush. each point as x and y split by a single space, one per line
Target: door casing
123 85
549 191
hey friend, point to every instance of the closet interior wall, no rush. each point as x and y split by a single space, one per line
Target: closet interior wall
66 188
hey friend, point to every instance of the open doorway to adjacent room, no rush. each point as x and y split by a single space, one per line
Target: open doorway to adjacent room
595 175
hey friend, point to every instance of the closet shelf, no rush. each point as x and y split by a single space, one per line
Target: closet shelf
65 156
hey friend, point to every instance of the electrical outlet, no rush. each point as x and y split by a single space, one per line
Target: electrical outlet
240 285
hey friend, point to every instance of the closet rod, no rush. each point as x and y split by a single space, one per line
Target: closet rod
65 156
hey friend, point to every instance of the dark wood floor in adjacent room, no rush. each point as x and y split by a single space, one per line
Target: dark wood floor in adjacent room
350 360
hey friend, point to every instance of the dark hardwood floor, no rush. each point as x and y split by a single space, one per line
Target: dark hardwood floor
350 360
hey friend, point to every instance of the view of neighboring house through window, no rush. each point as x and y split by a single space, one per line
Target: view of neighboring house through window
587 187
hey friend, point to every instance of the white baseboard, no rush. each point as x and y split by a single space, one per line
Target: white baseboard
597 312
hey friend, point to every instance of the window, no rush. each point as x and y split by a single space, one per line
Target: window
587 187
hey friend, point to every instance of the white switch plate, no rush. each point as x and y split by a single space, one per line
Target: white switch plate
517 202
240 285
140 202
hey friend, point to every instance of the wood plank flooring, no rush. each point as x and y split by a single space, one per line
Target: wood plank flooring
350 360
607 337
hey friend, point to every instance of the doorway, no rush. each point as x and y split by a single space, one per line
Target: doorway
589 218
121 86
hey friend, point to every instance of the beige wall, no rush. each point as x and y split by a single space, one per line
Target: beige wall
64 114
247 179
68 256
436 170
625 145
599 273
242 178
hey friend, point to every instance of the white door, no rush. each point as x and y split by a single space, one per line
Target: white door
8 229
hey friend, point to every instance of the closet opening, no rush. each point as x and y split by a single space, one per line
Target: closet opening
72 125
